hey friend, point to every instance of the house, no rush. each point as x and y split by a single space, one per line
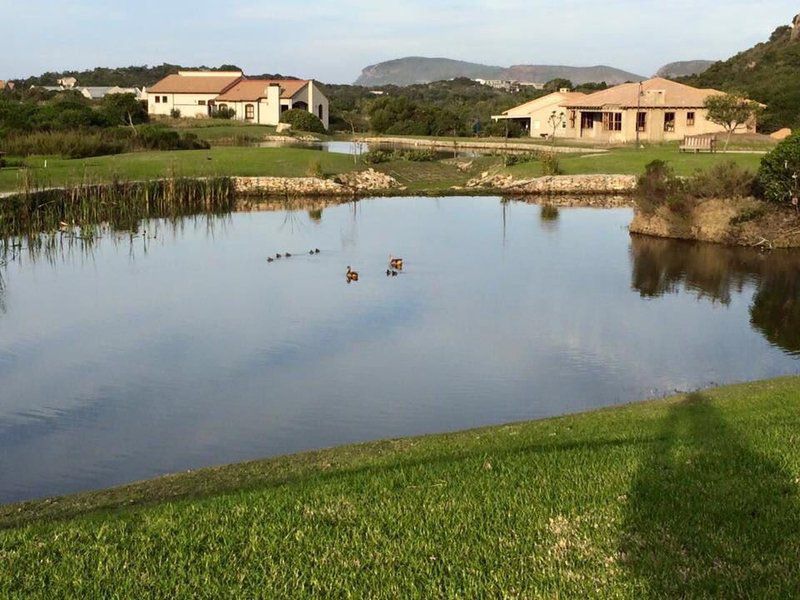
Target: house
100 92
263 101
657 110
67 82
535 116
200 93
190 92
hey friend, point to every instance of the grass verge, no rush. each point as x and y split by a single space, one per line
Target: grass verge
691 496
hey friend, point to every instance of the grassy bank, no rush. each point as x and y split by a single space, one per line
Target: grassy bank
692 496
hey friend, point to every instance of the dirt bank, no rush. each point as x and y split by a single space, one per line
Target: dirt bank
742 222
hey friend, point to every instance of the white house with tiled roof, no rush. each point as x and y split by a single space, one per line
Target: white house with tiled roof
535 116
262 101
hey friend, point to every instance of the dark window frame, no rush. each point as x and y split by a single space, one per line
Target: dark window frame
641 122
691 118
669 122
249 112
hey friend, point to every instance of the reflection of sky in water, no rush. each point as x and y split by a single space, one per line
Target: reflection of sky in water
123 365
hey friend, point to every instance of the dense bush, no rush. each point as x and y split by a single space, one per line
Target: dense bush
123 109
725 180
223 113
69 144
657 185
156 137
520 158
302 120
376 157
503 128
779 175
175 113
550 163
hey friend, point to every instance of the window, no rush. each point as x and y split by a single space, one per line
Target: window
201 102
223 107
690 119
321 112
164 99
158 99
641 122
669 122
612 121
249 112
573 116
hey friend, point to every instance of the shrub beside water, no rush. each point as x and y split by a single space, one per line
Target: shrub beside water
376 157
779 175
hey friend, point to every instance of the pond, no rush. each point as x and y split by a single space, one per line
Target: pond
358 148
182 347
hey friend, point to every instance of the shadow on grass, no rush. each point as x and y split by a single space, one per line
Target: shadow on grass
707 516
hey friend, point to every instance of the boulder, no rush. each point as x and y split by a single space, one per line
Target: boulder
283 128
781 134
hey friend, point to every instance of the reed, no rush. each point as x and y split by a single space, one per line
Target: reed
38 216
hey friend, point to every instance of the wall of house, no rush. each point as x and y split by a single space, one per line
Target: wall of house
314 98
188 104
655 127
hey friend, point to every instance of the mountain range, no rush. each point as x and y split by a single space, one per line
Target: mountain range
419 69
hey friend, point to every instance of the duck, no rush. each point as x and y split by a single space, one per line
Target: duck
270 259
395 263
351 275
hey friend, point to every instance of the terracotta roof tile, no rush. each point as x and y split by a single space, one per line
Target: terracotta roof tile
255 89
194 84
658 93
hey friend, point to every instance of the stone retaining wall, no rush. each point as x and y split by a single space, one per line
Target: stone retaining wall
581 185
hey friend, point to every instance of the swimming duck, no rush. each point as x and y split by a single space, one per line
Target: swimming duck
278 255
287 255
391 273
395 263
311 252
316 250
270 259
351 275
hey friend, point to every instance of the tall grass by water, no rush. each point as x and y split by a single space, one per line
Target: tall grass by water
38 216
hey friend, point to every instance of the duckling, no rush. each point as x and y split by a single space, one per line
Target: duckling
311 252
391 273
351 275
287 255
316 250
395 263
270 259
394 273
278 255
388 272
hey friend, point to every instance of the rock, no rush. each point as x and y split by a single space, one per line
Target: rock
781 134
369 180
346 184
283 128
796 29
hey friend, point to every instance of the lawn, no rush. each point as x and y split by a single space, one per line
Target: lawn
288 162
691 496
632 162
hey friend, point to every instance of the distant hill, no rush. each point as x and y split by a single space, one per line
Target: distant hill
768 72
417 69
684 68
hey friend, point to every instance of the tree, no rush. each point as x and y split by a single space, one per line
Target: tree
123 109
556 120
555 85
730 111
779 175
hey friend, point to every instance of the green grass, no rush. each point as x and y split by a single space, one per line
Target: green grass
287 162
227 131
694 496
629 161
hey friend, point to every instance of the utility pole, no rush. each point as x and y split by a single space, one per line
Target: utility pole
638 111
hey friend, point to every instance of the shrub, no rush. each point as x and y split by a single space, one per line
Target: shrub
505 128
302 120
223 113
69 144
376 157
156 137
123 109
315 170
509 160
657 185
175 113
550 163
418 155
725 180
779 175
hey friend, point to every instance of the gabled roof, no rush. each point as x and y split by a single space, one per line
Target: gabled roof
194 84
544 102
255 89
656 93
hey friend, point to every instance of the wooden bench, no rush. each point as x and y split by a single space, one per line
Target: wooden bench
699 143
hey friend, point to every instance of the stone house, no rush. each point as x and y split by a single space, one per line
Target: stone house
656 110
262 101
534 116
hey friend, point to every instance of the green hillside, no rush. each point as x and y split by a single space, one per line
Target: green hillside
768 72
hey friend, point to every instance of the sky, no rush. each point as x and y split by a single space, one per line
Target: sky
332 40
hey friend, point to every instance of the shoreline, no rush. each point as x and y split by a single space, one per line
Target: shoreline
281 470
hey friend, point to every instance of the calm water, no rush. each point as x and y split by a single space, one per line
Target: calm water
144 357
358 148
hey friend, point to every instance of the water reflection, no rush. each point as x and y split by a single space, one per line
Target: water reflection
718 273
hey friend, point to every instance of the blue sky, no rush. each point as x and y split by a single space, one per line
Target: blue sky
333 40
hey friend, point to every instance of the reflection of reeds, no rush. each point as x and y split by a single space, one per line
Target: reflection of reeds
48 218
549 212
